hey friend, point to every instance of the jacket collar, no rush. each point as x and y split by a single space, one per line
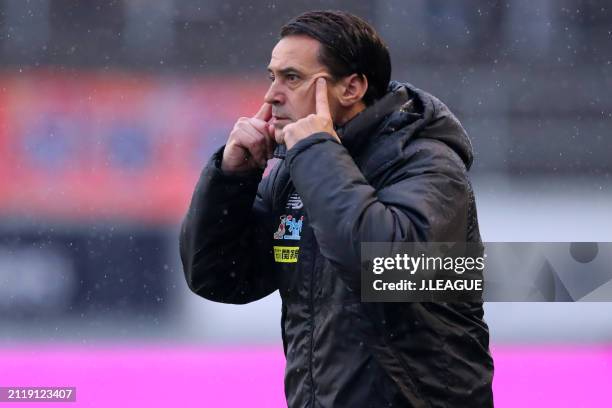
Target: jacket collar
362 126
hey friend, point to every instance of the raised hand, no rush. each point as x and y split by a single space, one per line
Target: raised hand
321 121
251 142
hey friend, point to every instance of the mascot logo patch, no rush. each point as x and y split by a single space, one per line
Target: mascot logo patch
289 228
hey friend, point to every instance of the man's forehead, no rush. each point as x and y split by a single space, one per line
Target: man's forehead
299 52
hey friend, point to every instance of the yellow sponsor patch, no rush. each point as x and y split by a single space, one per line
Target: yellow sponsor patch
286 254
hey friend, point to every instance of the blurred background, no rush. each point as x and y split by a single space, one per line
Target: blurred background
109 110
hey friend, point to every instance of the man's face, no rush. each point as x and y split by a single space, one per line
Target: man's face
293 70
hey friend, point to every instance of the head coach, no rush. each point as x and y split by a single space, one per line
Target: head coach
364 159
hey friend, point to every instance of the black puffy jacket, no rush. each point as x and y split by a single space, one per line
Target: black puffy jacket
400 174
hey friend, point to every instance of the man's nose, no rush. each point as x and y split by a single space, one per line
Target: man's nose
274 96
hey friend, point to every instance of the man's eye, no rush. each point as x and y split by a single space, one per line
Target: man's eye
271 77
292 78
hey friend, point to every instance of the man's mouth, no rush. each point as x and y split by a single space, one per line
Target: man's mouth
277 119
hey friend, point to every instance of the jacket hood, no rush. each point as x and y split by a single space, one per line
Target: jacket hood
406 113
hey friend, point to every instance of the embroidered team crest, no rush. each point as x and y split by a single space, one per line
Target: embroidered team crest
289 228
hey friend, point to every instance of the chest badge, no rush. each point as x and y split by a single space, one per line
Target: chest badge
289 228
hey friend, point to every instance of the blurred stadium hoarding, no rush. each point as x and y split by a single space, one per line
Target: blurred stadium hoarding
89 145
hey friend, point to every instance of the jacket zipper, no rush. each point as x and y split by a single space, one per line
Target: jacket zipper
312 322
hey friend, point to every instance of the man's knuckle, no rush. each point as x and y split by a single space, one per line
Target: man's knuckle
248 141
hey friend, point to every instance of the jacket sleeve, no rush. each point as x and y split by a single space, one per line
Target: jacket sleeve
225 245
422 199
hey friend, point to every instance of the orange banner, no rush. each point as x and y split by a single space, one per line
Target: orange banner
84 145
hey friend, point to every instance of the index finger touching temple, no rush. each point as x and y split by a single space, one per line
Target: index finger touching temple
322 103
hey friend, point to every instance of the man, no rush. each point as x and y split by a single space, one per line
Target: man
366 160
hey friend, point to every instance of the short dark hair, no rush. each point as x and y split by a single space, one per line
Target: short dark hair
349 45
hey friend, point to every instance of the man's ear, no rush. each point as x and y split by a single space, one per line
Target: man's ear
352 90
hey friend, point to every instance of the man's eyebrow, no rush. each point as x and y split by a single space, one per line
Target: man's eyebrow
288 70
